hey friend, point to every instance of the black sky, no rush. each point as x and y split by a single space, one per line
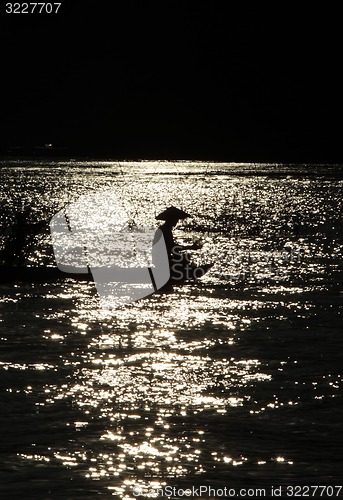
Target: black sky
174 80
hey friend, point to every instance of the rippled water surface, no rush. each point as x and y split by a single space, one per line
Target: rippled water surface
233 381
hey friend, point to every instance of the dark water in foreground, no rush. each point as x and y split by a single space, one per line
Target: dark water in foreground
233 382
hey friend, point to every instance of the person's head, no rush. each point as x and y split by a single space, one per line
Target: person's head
172 215
172 221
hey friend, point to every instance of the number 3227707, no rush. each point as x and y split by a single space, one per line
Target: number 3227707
32 8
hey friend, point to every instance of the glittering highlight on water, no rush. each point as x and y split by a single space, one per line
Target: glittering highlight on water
236 378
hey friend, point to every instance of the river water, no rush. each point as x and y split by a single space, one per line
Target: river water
234 381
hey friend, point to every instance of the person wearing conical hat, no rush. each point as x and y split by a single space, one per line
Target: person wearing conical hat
172 213
178 260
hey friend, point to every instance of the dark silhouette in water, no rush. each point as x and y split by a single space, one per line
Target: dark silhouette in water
180 266
20 233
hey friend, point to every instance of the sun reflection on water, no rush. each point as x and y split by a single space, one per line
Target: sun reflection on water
215 380
142 383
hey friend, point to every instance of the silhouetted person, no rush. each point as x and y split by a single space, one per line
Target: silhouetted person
179 262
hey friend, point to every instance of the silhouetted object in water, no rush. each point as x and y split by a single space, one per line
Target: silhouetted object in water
180 266
20 233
